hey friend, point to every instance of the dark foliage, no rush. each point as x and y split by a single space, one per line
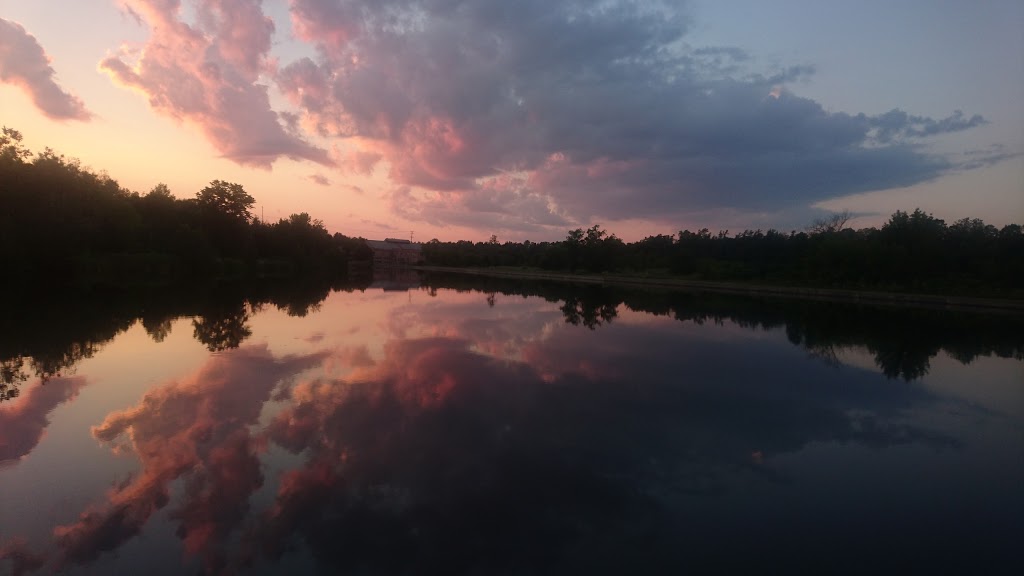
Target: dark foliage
913 252
61 223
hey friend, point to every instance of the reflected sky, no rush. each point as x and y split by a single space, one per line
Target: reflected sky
443 431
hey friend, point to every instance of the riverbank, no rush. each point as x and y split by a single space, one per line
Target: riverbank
934 301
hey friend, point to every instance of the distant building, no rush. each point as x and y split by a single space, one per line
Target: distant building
395 253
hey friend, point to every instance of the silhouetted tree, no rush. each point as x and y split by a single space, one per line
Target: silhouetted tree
12 151
161 191
831 223
226 198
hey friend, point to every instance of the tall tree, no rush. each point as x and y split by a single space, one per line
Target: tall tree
227 198
161 190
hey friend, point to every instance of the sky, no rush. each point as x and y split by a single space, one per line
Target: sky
459 119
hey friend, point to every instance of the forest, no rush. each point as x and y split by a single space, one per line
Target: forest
912 252
62 223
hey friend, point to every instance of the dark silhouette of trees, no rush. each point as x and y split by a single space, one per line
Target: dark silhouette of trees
226 198
831 223
593 250
63 223
353 249
11 149
911 252
160 193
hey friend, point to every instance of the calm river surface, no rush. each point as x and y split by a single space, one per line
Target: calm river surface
454 425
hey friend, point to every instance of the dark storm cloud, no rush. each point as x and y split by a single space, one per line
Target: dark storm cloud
604 108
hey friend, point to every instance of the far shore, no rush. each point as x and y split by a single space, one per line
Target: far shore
932 301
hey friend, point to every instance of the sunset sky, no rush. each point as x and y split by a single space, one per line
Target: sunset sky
458 119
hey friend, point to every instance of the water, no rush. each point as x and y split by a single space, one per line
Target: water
467 426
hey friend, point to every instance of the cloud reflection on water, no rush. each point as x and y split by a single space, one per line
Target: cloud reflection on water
24 423
196 429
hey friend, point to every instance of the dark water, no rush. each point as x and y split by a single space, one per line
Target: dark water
468 426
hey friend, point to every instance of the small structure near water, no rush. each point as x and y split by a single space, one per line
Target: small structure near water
395 253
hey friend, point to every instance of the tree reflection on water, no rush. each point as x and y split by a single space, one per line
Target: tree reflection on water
45 335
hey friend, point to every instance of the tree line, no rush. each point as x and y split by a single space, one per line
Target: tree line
61 222
911 252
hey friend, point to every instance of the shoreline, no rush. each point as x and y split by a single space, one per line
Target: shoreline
931 301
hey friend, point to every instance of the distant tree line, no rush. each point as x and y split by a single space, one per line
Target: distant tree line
911 252
62 222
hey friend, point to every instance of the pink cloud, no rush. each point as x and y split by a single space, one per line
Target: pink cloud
383 102
24 423
208 75
24 63
360 161
242 32
333 23
309 86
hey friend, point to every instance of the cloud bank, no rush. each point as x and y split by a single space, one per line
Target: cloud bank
532 115
601 110
24 63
